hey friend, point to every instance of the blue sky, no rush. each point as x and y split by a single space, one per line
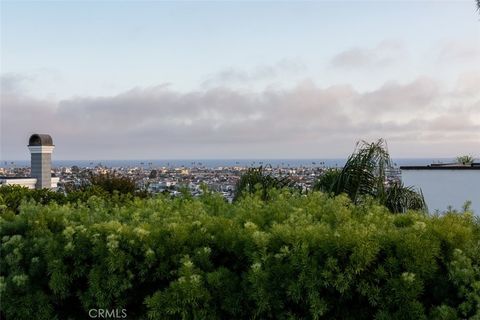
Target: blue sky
213 69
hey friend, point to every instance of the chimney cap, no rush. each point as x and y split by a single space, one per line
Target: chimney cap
40 140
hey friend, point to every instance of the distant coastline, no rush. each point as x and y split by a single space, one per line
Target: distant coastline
214 163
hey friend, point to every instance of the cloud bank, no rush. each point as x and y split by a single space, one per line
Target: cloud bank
423 117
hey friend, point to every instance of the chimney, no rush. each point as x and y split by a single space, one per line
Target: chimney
41 148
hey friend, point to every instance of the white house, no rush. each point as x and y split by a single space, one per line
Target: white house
445 186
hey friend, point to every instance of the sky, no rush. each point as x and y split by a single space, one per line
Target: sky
270 79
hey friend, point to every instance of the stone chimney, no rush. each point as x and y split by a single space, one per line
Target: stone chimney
41 148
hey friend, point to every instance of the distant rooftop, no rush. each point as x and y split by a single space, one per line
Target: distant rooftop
444 166
19 177
12 178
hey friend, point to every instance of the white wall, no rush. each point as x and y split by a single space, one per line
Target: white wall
27 182
442 188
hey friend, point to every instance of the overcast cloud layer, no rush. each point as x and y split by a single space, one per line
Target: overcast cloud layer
424 117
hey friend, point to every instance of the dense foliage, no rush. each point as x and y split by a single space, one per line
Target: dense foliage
258 180
110 187
12 196
112 182
292 257
326 183
109 183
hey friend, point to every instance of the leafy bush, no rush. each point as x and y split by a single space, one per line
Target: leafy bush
326 182
399 198
12 196
292 257
110 183
258 180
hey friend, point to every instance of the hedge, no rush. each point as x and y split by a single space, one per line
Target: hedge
292 257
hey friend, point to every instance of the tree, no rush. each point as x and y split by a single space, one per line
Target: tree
112 182
365 174
257 180
326 181
153 174
465 160
400 198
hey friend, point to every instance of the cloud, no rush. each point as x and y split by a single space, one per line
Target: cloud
394 98
386 53
301 121
285 67
458 51
14 82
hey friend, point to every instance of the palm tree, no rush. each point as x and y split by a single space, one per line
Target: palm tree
366 174
465 160
326 182
399 198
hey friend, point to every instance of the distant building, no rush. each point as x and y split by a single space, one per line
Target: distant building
445 185
41 148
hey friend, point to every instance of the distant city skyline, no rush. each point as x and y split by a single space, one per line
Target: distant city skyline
205 80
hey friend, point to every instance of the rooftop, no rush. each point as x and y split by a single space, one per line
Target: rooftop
14 178
444 166
40 140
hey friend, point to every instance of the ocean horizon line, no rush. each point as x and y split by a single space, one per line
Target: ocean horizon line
229 159
227 162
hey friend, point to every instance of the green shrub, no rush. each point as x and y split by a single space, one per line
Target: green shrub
110 183
292 257
326 182
115 190
11 197
259 181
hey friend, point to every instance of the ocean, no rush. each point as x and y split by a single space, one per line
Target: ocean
215 163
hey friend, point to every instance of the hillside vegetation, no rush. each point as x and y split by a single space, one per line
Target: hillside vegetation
292 256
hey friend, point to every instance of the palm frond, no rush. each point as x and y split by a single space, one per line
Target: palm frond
365 171
365 174
400 199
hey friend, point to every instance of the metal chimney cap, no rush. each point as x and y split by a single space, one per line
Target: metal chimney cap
40 140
